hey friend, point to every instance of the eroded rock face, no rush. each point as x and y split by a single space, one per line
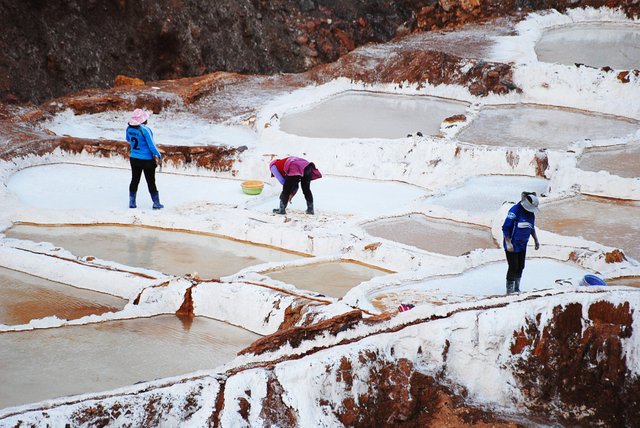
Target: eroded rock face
214 158
52 48
575 368
49 49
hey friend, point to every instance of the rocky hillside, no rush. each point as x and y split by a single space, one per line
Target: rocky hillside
48 49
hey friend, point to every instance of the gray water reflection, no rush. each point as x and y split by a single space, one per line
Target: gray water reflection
175 253
43 364
542 127
621 161
593 44
25 297
608 222
438 236
359 114
332 279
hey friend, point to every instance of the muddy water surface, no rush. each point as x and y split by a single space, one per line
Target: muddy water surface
542 127
175 253
608 222
629 281
359 114
438 236
25 297
621 161
98 357
333 279
593 44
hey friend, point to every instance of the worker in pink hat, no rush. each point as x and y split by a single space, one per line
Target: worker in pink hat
144 157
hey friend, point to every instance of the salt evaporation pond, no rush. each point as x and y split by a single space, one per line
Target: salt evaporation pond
435 235
333 279
622 161
25 297
486 194
608 222
361 114
97 357
81 187
478 283
350 196
170 252
542 127
631 281
169 128
592 44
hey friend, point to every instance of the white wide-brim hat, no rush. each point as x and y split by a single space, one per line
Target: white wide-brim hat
530 203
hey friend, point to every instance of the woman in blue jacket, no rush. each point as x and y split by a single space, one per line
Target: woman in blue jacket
142 157
517 228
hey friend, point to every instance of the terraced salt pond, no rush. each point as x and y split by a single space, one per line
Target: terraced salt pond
593 44
169 128
360 114
486 194
333 279
350 196
481 282
98 357
435 235
25 297
608 222
621 160
170 252
542 127
82 187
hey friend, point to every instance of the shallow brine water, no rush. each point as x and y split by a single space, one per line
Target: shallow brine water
25 297
477 283
621 161
542 127
98 357
332 279
355 197
629 281
89 188
608 222
438 236
169 128
487 193
359 114
592 44
176 253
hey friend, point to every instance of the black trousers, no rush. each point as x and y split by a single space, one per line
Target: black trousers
138 166
516 265
291 185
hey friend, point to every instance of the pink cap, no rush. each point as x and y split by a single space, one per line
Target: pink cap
138 117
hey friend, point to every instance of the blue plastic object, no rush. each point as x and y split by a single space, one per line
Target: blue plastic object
592 280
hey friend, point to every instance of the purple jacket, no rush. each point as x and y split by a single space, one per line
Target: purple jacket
292 166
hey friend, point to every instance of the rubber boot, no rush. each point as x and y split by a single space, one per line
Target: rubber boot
511 285
132 199
282 209
310 207
516 289
155 197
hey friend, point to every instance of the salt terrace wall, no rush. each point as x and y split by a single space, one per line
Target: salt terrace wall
550 358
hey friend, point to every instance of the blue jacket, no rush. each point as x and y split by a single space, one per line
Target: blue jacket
518 226
140 139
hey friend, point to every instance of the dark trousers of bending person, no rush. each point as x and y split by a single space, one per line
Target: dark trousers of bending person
291 182
138 166
516 265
